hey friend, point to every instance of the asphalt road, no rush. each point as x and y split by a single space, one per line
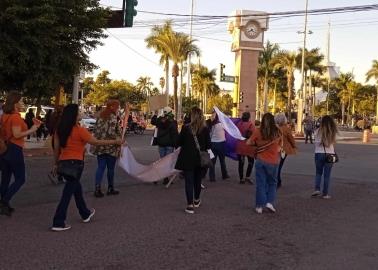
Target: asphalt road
145 227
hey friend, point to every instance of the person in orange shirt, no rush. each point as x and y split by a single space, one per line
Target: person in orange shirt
14 130
267 140
69 146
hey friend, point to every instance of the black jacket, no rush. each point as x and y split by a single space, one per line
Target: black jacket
167 132
189 157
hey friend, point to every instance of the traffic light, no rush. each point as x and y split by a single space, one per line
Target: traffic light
130 12
241 97
222 76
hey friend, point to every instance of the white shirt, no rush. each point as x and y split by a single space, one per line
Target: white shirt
217 133
319 148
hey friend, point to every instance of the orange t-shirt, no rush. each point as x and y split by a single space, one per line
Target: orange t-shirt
13 120
76 142
271 154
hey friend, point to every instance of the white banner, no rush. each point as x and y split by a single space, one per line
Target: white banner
156 171
228 125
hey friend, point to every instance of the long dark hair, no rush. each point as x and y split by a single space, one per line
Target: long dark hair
268 128
12 98
327 130
67 122
197 122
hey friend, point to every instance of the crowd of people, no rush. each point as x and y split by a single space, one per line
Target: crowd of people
266 148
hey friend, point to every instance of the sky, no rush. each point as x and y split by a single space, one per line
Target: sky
354 42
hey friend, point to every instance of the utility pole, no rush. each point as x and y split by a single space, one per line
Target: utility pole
187 92
302 90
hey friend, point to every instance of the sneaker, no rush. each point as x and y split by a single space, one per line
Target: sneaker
197 203
327 197
60 228
189 210
270 207
259 210
112 191
249 180
203 186
93 211
98 193
316 193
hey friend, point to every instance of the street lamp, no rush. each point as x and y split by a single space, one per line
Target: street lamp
302 93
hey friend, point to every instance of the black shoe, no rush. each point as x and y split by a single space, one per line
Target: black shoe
5 209
165 181
112 191
279 184
212 180
226 177
197 203
242 181
98 193
155 182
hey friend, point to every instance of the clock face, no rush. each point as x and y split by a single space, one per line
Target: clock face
252 29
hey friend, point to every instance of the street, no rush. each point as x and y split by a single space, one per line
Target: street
145 227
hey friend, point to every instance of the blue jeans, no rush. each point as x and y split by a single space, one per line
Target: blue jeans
193 184
72 187
165 150
12 163
105 161
266 182
322 168
219 150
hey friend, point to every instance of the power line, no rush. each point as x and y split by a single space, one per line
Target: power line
135 51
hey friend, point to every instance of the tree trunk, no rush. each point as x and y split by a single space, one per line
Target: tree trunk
342 112
167 78
265 101
289 85
274 97
175 74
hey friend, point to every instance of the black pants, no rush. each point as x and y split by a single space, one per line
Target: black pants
282 160
251 161
308 135
72 187
193 184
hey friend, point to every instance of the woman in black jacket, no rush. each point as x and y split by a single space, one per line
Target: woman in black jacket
189 158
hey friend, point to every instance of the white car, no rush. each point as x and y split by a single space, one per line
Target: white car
88 123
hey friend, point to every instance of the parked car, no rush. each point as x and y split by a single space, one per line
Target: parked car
44 110
88 123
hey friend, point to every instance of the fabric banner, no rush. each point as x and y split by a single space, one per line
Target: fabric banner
232 133
155 171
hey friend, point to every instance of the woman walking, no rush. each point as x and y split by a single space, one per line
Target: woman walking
189 160
218 147
325 139
288 146
69 146
13 130
107 128
243 150
267 140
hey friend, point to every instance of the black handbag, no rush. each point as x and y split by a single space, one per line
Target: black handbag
204 155
70 169
331 158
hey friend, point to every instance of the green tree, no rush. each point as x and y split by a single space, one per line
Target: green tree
44 43
287 61
341 84
373 73
224 103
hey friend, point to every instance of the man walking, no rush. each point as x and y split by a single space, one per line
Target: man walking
308 126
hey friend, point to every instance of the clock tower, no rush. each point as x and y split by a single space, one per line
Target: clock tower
247 28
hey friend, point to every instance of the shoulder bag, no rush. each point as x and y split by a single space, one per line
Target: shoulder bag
331 158
204 155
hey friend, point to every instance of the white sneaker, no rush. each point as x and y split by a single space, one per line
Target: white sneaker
61 229
316 193
270 207
259 210
93 211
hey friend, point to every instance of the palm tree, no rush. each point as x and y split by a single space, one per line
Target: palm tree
177 46
265 62
341 84
158 33
373 73
203 83
144 85
287 61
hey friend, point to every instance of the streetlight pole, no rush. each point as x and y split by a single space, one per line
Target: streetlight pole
302 98
187 92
